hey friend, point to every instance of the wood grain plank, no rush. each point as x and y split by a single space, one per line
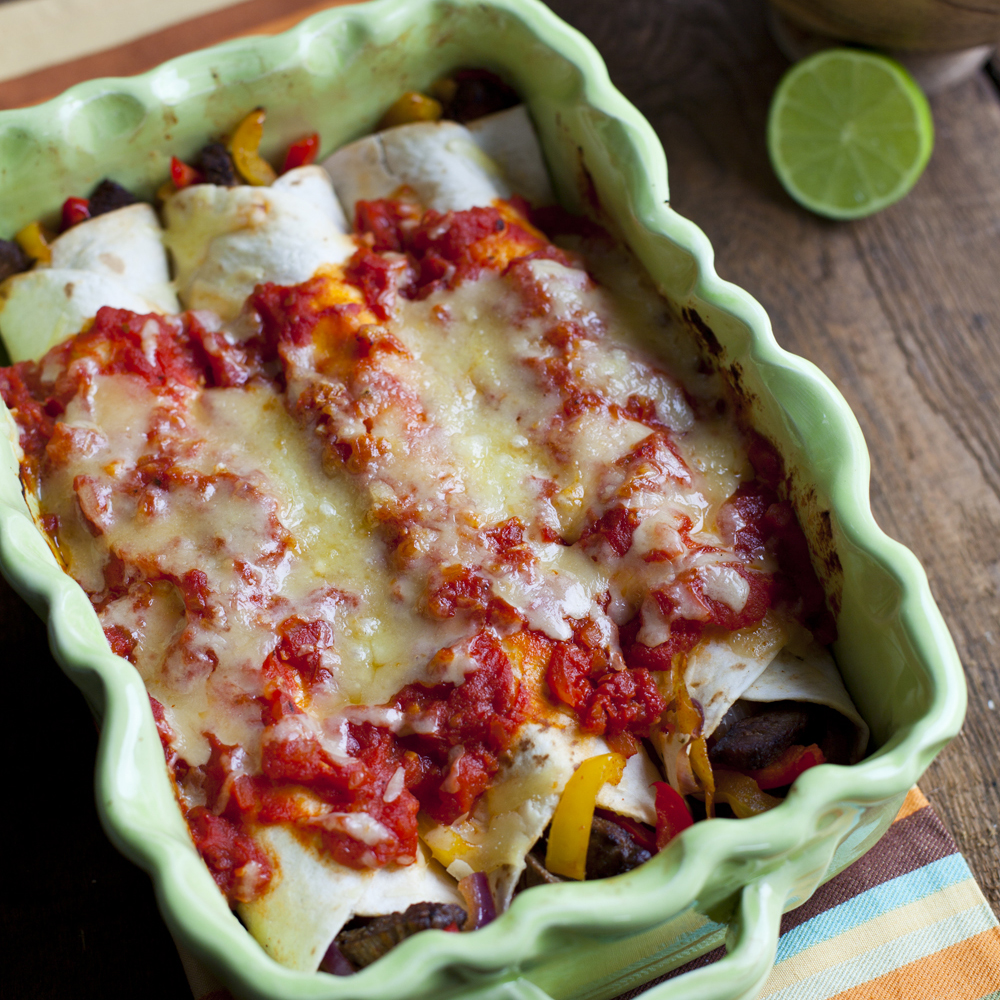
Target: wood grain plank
901 310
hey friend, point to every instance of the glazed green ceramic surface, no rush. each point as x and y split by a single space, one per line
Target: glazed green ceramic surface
335 74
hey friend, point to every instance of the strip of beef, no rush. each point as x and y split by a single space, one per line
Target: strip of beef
216 165
536 873
108 196
752 743
612 850
363 945
13 260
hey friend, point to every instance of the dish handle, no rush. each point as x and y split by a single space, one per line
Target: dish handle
751 944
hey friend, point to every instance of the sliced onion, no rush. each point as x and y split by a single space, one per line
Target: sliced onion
335 963
475 888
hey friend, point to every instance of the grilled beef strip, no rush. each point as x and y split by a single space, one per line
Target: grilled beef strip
13 260
108 196
752 735
754 742
216 165
362 945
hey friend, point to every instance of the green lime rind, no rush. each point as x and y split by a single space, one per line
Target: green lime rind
849 133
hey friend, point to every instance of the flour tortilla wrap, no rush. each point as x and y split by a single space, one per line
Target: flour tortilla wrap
522 800
125 245
439 161
721 671
810 677
508 138
224 241
311 897
449 167
116 259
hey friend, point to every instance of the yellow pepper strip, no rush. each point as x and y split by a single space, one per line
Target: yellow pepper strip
569 834
243 146
702 767
33 242
742 794
683 713
411 107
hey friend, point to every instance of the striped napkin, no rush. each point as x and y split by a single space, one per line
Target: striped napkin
907 920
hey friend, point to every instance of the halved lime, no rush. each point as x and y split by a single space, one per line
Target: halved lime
849 132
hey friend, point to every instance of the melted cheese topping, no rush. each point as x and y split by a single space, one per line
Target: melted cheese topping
229 512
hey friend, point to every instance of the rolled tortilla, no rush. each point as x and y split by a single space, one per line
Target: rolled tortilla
721 671
116 259
520 804
811 677
311 897
508 138
224 241
439 161
125 245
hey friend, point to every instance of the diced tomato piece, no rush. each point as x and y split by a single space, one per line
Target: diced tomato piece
381 278
568 675
684 635
302 152
240 869
623 701
616 527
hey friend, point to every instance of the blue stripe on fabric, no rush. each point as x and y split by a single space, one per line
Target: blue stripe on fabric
892 956
868 905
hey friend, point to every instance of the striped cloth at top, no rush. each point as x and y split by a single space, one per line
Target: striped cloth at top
905 922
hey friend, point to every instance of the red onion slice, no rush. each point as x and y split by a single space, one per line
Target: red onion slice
475 888
335 963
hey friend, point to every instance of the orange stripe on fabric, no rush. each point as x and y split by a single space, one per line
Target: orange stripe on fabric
969 970
915 800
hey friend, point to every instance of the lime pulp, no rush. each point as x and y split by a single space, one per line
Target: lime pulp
849 132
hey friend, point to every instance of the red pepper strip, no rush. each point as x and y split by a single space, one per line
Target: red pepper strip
183 175
302 152
74 210
672 815
788 766
452 928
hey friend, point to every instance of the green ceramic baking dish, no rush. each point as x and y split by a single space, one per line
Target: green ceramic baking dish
335 73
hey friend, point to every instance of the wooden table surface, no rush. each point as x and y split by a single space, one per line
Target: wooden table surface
902 311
